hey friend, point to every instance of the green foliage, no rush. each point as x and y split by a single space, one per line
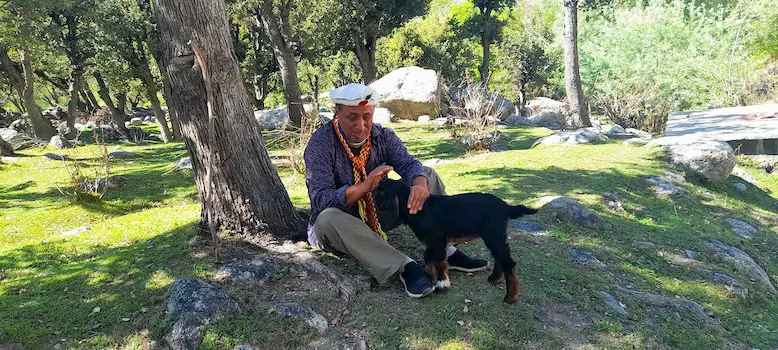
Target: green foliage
666 57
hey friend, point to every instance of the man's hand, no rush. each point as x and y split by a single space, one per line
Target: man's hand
354 193
375 177
419 194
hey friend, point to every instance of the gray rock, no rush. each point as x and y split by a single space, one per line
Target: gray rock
639 133
585 257
272 119
636 141
740 187
532 228
243 347
539 104
120 154
664 188
741 229
498 147
185 163
730 283
16 139
53 156
643 244
6 343
193 304
75 231
712 160
673 177
683 306
567 209
136 121
614 130
549 119
572 138
515 120
251 272
613 201
477 98
410 92
690 253
423 119
296 310
745 176
744 264
611 301
60 142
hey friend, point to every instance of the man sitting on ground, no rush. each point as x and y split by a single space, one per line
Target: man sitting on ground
345 160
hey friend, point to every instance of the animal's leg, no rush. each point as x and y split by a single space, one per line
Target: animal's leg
496 275
498 246
438 255
429 265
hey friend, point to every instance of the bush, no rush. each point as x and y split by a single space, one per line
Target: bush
475 109
87 183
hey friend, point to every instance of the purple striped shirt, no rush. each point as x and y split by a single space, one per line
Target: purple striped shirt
328 170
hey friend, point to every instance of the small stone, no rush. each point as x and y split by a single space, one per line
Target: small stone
461 323
665 188
76 231
498 147
96 310
424 119
643 244
740 187
531 228
243 347
611 301
741 229
120 154
690 253
125 319
585 257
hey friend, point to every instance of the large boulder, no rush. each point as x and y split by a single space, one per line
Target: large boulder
136 121
712 160
15 138
272 119
572 138
410 92
6 149
60 142
193 304
570 210
539 104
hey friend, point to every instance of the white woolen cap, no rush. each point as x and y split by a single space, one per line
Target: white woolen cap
355 95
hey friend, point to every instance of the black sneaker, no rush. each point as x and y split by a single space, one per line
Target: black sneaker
417 283
461 262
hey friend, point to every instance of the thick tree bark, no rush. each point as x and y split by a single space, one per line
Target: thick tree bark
74 85
24 82
117 116
261 73
284 55
364 49
580 114
121 104
247 195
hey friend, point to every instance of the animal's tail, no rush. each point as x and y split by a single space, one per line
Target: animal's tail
516 211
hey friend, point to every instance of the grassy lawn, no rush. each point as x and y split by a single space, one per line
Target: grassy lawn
107 287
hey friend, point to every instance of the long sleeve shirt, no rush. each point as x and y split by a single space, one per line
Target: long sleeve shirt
329 171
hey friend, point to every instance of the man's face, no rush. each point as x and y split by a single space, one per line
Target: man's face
356 121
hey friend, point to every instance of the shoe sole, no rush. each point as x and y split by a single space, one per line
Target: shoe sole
464 269
425 293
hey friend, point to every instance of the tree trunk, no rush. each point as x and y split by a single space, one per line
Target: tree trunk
117 116
487 36
74 85
91 96
261 73
285 57
365 52
144 74
246 193
25 85
121 105
175 124
579 113
86 104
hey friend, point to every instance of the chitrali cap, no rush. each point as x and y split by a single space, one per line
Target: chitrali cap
355 95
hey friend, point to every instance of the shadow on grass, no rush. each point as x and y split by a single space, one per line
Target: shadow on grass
50 293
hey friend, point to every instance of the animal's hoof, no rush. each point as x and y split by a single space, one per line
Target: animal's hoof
495 279
510 299
442 286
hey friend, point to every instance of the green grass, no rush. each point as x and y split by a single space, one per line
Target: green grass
143 236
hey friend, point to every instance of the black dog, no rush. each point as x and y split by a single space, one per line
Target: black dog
458 219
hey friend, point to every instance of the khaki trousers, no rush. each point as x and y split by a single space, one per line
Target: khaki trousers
339 231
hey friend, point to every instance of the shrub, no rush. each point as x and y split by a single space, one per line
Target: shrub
474 108
87 182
